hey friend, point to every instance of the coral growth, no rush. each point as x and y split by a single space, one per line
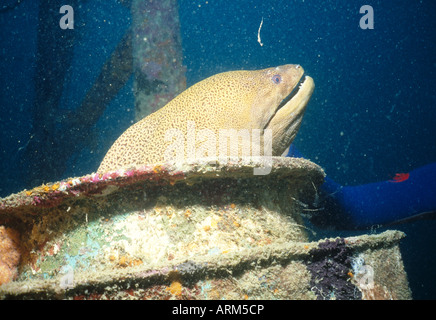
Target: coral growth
95 184
9 254
330 267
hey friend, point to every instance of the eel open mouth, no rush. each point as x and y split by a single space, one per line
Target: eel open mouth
294 104
286 120
293 93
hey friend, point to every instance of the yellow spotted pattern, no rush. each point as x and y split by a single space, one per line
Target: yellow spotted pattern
229 100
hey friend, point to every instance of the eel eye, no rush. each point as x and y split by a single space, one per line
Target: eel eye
276 79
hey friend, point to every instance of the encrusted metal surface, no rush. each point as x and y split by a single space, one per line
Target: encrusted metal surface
192 230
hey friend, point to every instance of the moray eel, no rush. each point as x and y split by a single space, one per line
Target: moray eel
273 98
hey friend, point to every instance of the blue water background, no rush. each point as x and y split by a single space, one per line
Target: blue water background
373 112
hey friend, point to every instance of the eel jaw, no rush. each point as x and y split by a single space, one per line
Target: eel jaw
287 119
